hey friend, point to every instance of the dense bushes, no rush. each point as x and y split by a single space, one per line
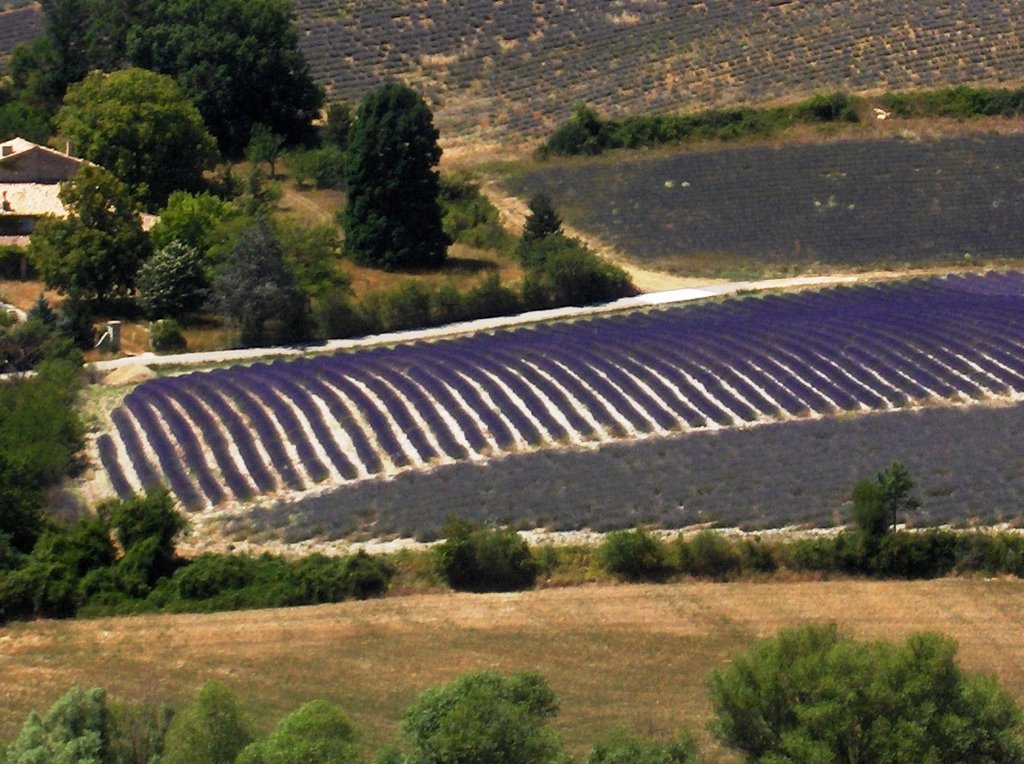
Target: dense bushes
76 569
481 559
585 133
961 102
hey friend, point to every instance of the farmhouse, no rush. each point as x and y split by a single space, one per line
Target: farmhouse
30 178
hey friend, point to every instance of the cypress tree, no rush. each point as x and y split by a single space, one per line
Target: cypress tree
393 217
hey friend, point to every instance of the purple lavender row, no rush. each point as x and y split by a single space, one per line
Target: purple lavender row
147 474
184 435
170 462
108 458
178 391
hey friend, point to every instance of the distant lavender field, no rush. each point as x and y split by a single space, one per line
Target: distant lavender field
844 203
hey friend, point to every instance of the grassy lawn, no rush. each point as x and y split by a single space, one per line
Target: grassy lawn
615 655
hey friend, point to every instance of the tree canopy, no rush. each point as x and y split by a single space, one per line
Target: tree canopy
392 216
96 250
811 695
484 717
141 127
238 60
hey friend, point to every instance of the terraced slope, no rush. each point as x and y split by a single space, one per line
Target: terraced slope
515 68
232 434
842 204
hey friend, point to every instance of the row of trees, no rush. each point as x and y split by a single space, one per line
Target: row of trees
809 694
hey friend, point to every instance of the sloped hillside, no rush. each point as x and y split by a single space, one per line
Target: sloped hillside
501 68
515 68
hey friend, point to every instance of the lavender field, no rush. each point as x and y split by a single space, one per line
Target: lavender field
845 204
290 427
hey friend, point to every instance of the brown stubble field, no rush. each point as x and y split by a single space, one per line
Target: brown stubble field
615 655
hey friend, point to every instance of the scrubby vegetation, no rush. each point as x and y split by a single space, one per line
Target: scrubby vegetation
807 694
53 570
587 134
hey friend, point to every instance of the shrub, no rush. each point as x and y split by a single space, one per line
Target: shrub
484 717
562 271
469 217
634 555
809 694
626 747
165 336
172 283
480 559
315 733
213 730
708 554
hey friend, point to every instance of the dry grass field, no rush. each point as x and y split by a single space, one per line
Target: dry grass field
633 655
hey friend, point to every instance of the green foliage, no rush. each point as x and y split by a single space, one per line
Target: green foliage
40 434
484 717
708 554
141 127
136 732
212 582
213 730
165 336
95 252
316 733
877 505
480 559
313 254
19 120
150 516
25 345
75 323
339 123
240 63
74 731
635 555
173 282
809 694
469 216
256 283
392 217
193 220
626 747
323 167
264 147
562 271
960 102
14 264
543 221
585 133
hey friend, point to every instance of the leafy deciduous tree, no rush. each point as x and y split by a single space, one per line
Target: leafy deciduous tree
213 730
392 217
141 127
484 717
810 695
74 731
95 252
316 733
240 63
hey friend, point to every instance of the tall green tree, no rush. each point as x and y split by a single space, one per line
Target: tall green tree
256 283
393 217
96 250
484 717
316 733
543 220
238 60
878 503
74 731
213 730
811 695
141 127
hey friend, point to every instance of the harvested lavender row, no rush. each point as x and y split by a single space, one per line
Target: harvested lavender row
645 374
